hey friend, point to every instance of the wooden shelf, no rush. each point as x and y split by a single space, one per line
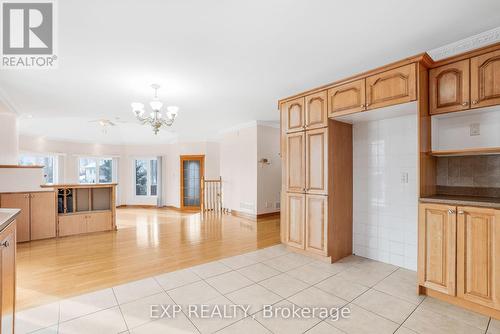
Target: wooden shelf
79 185
20 166
467 151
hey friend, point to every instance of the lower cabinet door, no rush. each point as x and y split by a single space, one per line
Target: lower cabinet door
317 224
19 201
437 247
43 215
478 256
72 224
295 217
99 221
8 278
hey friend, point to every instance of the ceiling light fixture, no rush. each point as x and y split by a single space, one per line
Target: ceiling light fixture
155 119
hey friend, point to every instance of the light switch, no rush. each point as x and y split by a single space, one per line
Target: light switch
404 177
475 129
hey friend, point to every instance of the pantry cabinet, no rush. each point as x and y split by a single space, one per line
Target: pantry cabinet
449 88
295 115
316 115
485 79
316 224
347 98
295 162
316 172
295 216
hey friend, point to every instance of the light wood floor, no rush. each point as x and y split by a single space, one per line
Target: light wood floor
148 242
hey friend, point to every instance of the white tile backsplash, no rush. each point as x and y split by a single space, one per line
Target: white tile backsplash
385 209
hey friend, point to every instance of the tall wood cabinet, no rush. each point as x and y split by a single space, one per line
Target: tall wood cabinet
8 278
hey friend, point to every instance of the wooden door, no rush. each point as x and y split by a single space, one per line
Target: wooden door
437 247
317 224
295 217
8 278
449 88
295 162
317 161
295 115
478 256
19 201
72 224
192 171
43 215
99 221
485 79
316 114
391 87
347 98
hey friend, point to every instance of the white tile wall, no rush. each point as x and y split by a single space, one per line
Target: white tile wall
385 209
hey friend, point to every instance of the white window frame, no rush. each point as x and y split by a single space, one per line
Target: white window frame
55 160
96 159
148 177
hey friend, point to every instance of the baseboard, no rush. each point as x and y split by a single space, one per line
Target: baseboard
137 206
255 217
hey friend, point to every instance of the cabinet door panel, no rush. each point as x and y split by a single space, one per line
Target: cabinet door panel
478 262
19 201
316 115
43 215
347 98
295 115
437 247
8 278
295 212
317 224
317 161
100 221
449 87
295 162
391 87
485 80
72 224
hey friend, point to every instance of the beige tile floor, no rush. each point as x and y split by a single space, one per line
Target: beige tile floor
380 297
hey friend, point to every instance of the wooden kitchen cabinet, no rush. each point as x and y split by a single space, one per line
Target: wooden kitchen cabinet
295 115
316 224
391 87
315 113
295 216
437 247
43 215
485 79
19 201
449 88
478 259
316 171
72 224
295 162
8 278
99 221
347 98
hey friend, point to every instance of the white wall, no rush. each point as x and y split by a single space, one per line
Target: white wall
268 176
8 138
385 209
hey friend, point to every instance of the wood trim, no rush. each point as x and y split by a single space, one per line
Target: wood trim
20 166
79 185
135 206
28 192
254 217
466 55
183 158
467 151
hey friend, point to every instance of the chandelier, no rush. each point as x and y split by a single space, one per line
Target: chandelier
155 118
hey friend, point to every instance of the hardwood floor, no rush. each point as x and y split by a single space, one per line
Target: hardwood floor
148 242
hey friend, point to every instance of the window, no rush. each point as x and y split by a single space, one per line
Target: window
95 170
49 164
146 177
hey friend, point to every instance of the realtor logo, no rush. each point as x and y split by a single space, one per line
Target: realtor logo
28 34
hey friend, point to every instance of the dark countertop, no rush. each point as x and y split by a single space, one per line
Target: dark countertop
7 216
486 202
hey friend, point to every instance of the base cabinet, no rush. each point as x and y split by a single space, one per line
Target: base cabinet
85 223
8 278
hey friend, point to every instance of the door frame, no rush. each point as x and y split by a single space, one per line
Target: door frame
182 158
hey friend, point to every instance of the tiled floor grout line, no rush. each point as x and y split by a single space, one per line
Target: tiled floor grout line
120 308
409 315
488 326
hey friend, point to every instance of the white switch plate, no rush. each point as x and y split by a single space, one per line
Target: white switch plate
475 129
404 177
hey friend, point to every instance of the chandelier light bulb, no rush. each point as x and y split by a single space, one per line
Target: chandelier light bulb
156 105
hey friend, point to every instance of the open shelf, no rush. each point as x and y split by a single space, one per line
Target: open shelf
467 151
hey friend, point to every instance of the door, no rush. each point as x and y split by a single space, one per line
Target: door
99 221
295 162
8 278
43 215
317 161
391 87
19 201
316 114
295 213
295 115
437 247
317 224
72 224
449 87
192 169
485 79
478 258
347 98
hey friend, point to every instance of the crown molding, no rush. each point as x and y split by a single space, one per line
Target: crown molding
468 44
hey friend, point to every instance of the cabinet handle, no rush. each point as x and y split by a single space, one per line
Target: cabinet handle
362 106
461 212
474 101
466 103
450 211
5 244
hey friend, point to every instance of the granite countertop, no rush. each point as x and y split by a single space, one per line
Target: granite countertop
487 202
7 216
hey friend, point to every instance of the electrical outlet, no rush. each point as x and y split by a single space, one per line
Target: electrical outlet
404 177
475 129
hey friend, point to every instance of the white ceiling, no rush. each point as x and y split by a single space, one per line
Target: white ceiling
223 62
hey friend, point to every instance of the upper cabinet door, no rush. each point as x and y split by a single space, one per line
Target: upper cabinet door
295 115
478 259
437 247
391 87
485 80
295 216
316 115
295 162
317 161
449 87
347 98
